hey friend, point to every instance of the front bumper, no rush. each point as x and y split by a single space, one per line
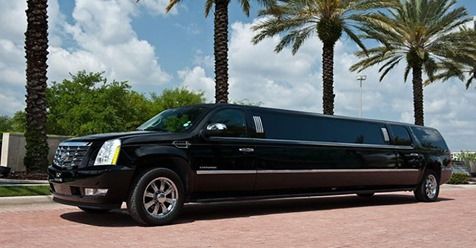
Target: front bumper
68 186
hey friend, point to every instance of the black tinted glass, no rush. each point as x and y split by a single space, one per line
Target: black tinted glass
430 138
400 136
177 120
234 120
315 128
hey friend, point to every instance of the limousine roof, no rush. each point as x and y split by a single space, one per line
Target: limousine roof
276 110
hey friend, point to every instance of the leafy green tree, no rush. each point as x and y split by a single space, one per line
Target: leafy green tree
88 103
299 20
221 40
419 32
36 49
5 124
173 98
18 122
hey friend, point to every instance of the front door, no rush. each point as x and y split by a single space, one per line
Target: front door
223 161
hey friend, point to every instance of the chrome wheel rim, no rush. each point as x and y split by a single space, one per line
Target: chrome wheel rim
160 197
431 185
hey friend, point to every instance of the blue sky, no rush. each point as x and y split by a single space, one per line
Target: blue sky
190 30
153 50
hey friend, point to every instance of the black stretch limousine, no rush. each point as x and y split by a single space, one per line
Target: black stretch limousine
226 152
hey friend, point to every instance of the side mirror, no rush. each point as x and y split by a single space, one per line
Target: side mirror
214 129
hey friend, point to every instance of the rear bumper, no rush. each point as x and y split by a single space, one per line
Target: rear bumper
68 186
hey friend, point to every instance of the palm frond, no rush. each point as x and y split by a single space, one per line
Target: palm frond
208 6
422 31
171 4
294 19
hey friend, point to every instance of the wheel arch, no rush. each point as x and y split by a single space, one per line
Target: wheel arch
434 166
167 157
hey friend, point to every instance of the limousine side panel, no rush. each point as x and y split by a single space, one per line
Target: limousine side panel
321 166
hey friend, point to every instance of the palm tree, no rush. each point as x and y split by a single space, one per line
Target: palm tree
298 20
421 32
221 40
36 49
459 63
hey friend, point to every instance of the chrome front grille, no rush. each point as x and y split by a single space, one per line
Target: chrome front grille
70 154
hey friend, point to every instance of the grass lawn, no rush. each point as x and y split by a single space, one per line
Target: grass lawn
24 190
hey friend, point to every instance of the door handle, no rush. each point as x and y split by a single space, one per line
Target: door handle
246 149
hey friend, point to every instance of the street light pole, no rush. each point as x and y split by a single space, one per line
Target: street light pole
361 78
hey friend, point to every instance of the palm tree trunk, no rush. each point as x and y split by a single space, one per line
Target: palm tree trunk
418 94
328 78
36 49
221 51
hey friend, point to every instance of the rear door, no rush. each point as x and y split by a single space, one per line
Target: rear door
410 161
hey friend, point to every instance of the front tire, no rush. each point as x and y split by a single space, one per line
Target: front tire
429 187
156 197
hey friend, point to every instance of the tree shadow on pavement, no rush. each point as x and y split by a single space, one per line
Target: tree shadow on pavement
209 211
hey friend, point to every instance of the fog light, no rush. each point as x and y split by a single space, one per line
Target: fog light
95 192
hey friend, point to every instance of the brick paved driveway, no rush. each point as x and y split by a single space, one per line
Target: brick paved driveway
387 220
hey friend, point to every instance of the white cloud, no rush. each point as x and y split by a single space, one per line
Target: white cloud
294 82
157 7
100 38
105 38
196 79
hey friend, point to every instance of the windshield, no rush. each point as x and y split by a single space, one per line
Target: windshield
178 120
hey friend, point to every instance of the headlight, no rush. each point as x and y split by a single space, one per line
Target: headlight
108 153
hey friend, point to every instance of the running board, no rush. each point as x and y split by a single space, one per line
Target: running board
266 197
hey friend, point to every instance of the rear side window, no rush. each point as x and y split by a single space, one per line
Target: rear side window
315 128
400 136
234 119
430 138
359 132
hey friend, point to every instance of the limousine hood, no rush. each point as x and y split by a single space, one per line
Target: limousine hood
128 137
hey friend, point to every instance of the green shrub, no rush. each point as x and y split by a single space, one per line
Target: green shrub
459 178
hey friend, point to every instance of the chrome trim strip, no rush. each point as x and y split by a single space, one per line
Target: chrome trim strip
258 124
386 137
226 172
316 143
72 143
334 171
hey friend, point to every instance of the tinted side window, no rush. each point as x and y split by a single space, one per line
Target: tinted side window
315 128
430 138
347 131
234 119
400 136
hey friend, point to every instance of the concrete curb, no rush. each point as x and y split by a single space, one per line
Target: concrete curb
458 186
22 185
23 200
16 181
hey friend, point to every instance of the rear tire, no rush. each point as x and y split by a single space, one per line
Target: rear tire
156 197
429 187
91 210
